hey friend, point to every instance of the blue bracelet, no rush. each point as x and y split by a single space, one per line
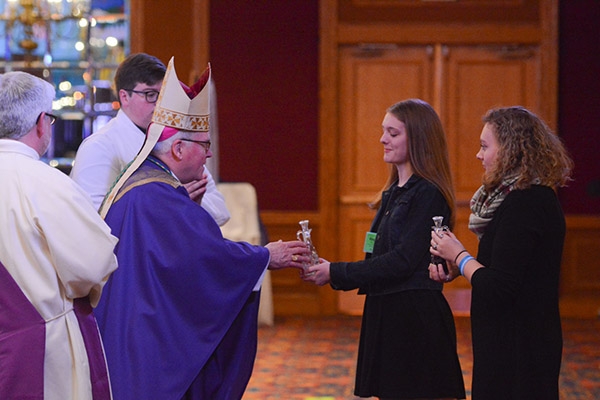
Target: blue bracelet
463 262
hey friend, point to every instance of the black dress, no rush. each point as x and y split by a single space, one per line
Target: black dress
407 344
517 339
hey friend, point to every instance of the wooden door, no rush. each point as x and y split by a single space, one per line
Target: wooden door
460 82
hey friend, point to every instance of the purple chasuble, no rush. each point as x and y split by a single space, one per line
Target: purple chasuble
22 343
178 317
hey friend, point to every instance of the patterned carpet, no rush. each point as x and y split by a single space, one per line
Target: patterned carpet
314 359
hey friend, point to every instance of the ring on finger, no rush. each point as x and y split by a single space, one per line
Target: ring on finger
294 258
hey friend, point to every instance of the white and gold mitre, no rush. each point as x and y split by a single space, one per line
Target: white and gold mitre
181 107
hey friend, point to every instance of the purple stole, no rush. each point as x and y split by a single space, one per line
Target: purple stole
93 348
23 342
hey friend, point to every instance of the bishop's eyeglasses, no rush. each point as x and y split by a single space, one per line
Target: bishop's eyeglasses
203 143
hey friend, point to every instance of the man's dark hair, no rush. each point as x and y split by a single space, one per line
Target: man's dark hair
139 68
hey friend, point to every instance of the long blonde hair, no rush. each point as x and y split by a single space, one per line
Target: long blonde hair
527 149
427 149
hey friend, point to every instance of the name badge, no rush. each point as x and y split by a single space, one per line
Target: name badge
369 242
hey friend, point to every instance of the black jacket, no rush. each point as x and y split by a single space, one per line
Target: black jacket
515 320
400 257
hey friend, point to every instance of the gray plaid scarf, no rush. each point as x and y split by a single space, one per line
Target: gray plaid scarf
484 205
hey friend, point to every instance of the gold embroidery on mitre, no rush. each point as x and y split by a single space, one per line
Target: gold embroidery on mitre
180 121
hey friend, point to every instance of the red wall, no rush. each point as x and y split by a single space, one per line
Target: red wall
579 107
264 58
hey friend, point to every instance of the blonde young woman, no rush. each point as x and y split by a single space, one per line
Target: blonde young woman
407 346
517 340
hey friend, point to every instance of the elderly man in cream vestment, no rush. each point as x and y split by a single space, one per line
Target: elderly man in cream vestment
56 254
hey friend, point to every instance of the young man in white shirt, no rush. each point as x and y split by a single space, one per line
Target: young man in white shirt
104 154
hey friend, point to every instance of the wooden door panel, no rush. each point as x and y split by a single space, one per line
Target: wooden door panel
371 81
477 79
580 276
355 221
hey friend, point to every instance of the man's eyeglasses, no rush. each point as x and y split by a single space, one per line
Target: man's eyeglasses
52 117
150 95
203 143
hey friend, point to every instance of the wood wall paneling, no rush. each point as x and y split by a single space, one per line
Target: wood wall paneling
580 275
164 30
465 11
426 33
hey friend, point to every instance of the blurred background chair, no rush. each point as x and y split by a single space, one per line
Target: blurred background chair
245 226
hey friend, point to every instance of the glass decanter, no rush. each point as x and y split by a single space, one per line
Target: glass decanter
304 235
439 229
